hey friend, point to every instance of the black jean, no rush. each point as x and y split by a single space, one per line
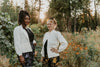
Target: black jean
50 62
29 58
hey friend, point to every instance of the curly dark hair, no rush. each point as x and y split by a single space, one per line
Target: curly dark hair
22 15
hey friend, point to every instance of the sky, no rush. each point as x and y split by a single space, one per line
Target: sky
92 7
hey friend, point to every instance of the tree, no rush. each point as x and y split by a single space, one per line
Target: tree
26 6
39 11
34 12
8 7
67 13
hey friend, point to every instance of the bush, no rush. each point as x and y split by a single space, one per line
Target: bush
83 50
39 29
7 43
6 37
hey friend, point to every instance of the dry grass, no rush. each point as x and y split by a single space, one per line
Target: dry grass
93 38
4 62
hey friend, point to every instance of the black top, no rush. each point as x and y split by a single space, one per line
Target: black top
45 49
31 38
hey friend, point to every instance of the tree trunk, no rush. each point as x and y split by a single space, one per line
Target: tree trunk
26 5
95 20
75 22
39 11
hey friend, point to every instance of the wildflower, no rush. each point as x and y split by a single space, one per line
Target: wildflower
54 60
77 53
81 48
67 48
63 57
75 46
56 63
78 45
65 52
70 43
71 52
66 56
81 57
85 48
74 49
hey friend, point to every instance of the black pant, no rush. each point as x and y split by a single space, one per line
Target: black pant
29 58
50 62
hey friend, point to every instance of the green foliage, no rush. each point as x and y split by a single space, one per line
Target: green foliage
10 9
69 14
6 37
83 50
37 61
7 43
39 29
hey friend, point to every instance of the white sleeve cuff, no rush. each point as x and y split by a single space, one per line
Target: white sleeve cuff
34 41
19 54
62 47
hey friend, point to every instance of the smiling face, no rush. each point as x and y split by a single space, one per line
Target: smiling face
51 25
27 20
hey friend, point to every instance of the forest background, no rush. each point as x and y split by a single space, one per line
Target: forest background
78 20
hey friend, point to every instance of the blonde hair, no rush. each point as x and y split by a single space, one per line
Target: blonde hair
52 20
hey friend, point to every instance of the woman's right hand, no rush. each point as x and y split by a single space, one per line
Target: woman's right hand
54 50
41 59
22 60
36 53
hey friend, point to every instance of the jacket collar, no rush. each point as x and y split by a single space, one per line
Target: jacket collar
24 31
51 31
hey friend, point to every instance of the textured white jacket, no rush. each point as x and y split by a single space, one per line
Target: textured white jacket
21 40
54 39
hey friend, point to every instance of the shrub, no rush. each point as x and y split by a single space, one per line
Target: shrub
83 50
6 37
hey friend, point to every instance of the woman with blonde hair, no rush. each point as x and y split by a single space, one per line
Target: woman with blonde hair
51 49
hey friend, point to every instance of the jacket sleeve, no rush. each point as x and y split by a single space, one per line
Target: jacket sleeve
34 41
17 43
63 42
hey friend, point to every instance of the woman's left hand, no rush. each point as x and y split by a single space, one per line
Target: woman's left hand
54 50
35 44
36 53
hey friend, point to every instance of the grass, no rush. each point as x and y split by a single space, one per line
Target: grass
83 50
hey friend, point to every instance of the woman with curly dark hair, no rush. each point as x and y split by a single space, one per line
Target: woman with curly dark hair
24 40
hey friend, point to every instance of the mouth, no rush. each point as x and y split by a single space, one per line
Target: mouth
48 27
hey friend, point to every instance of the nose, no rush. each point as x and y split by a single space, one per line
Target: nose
28 20
48 25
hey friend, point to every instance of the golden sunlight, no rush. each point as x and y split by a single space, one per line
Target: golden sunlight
42 16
